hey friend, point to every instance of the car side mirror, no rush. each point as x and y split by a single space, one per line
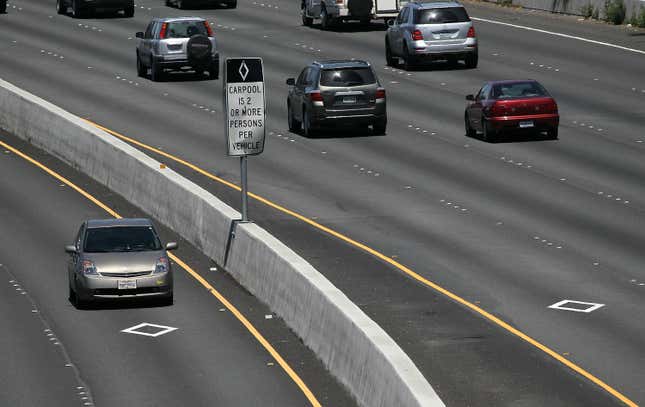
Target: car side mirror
71 249
390 22
171 246
291 82
470 97
139 34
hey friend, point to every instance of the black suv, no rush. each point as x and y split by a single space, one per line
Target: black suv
86 8
336 93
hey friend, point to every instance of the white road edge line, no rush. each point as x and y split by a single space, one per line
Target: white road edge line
607 44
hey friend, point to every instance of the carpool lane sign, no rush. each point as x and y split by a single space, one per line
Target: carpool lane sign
244 101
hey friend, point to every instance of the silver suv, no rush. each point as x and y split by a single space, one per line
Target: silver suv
336 93
429 31
177 44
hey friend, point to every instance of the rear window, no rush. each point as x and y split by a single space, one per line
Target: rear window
121 239
347 77
441 15
518 90
185 29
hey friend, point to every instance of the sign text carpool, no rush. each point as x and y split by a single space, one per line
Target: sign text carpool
244 99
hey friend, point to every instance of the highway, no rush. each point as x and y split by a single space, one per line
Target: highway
513 227
54 354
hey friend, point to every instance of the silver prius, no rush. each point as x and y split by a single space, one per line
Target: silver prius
118 258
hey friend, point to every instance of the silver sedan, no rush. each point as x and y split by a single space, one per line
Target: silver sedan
118 258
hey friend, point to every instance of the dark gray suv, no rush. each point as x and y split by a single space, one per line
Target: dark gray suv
336 93
176 44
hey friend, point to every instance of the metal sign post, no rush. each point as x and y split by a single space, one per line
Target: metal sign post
245 114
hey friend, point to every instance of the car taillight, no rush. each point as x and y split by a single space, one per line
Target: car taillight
417 35
209 30
315 96
161 266
552 107
162 32
497 109
380 93
88 268
471 32
339 1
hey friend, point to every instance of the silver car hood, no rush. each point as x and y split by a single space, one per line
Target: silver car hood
125 262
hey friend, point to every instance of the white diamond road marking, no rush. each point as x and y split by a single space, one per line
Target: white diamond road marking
162 329
592 306
244 70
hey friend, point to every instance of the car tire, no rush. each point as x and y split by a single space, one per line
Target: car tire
168 3
141 68
471 60
326 21
307 21
128 11
389 58
379 127
168 300
294 125
489 135
232 4
213 71
409 61
61 8
307 127
77 10
470 132
3 7
552 133
156 71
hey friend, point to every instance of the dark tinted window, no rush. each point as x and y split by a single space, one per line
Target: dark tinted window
518 90
347 77
121 239
441 15
185 29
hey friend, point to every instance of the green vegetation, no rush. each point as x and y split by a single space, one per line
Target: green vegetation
638 19
505 3
615 11
587 10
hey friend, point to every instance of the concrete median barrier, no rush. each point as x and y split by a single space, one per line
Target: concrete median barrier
352 346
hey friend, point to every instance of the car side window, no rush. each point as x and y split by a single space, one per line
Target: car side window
302 78
403 16
79 236
312 76
483 92
148 33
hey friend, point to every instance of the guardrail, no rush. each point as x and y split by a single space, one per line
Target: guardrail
352 346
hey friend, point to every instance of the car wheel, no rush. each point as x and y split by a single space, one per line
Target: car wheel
325 20
470 132
471 60
71 296
3 7
61 8
156 72
379 127
408 60
141 68
128 12
552 133
168 4
306 124
306 21
490 135
389 59
294 125
167 300
232 4
77 10
213 71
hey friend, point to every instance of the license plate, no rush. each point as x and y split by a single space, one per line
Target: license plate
127 284
349 100
524 125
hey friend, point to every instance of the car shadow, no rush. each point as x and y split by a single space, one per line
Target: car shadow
184 76
355 27
124 303
212 6
513 137
336 133
437 66
100 15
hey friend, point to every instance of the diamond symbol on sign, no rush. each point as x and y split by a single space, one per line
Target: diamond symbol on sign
244 70
147 329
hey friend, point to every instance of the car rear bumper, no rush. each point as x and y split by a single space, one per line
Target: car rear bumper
180 61
348 117
108 4
108 287
430 49
538 121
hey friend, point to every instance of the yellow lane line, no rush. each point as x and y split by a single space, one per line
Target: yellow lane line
240 317
392 262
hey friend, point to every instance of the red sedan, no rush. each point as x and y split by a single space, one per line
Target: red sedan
511 106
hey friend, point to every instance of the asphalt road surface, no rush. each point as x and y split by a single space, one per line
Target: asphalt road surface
56 355
513 227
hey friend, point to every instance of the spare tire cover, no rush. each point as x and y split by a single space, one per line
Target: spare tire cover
360 8
199 47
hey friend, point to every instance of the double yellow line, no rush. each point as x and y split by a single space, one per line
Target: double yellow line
411 273
243 320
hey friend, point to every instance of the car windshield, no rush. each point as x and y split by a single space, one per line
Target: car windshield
441 15
121 239
518 90
185 29
347 77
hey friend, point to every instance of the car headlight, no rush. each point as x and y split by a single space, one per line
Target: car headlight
88 268
161 266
